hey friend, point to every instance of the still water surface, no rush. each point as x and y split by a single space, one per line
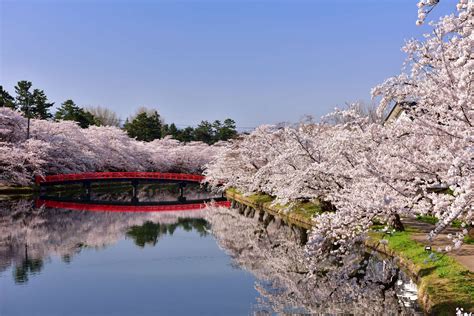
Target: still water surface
70 262
182 274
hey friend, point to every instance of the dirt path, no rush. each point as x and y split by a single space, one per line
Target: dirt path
464 255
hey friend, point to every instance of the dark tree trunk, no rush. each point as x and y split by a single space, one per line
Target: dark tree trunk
397 223
471 232
327 206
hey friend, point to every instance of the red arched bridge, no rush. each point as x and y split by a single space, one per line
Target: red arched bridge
117 176
87 202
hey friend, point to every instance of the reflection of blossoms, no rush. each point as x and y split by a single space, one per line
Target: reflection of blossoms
289 282
36 234
460 312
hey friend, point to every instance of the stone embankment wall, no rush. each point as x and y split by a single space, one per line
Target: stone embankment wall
431 296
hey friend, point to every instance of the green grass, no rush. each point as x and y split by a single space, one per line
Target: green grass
256 198
302 210
259 198
308 209
456 224
447 283
469 240
427 219
433 220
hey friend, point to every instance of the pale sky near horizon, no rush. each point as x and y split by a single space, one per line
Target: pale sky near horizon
257 62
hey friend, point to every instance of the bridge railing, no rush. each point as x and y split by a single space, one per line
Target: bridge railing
61 178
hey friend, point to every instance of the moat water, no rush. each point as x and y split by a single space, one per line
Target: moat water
59 261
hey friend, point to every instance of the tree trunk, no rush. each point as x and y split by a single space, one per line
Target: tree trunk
397 223
471 232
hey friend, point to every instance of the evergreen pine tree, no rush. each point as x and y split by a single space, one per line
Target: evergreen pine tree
69 111
24 97
227 130
41 106
6 100
173 130
145 126
33 104
204 132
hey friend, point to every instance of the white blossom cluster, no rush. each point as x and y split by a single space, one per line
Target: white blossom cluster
460 312
426 6
370 171
64 147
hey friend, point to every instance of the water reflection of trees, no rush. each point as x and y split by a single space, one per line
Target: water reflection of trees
26 268
149 233
29 236
290 282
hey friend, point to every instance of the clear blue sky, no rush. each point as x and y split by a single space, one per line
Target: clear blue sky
255 61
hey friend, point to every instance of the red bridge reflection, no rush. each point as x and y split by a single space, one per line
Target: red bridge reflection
104 207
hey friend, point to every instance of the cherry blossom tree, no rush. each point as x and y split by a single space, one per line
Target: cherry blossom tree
369 170
436 136
63 147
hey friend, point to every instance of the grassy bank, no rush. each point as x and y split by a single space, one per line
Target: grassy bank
299 214
443 283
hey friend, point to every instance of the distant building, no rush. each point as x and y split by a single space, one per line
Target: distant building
398 110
